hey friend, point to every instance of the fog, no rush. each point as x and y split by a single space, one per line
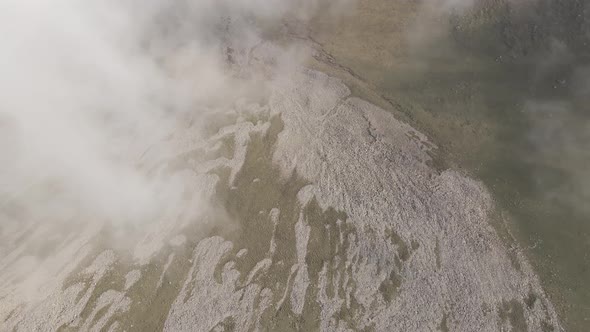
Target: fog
87 87
91 93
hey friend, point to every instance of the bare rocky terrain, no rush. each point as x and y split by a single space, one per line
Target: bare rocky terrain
335 220
315 207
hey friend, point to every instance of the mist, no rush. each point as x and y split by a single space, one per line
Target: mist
87 88
120 119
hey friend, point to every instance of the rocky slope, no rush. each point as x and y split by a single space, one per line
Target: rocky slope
309 210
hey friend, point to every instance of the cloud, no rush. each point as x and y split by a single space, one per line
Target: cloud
87 87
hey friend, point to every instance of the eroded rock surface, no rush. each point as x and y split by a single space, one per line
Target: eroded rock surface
322 212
